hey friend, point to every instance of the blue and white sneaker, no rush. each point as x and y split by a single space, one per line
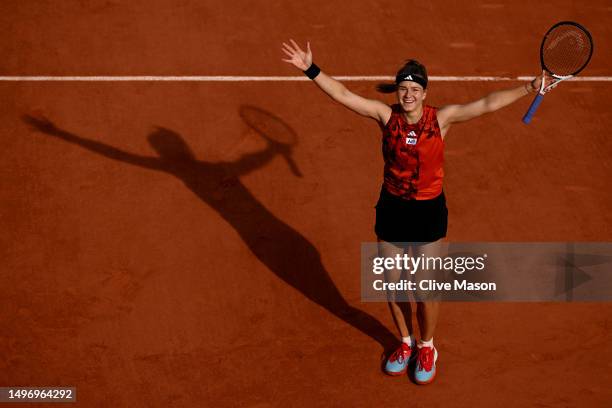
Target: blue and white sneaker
397 364
425 368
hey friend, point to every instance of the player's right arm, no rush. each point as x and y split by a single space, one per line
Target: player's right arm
366 107
335 89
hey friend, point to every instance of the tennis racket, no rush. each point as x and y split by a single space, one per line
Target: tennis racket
274 130
566 49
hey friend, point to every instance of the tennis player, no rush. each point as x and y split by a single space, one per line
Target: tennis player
411 207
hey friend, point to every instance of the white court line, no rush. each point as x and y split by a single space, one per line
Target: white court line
270 78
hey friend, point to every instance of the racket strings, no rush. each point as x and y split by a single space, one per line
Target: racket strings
566 50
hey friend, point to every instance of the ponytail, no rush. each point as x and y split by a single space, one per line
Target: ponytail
386 87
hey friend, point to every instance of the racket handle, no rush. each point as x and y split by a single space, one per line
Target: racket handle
534 106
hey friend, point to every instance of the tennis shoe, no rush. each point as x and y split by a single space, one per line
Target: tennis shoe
425 368
397 364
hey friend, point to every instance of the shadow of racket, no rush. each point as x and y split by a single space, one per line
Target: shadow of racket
273 130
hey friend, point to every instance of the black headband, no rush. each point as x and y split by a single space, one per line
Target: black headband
411 77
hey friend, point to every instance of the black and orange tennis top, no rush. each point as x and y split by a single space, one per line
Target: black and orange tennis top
413 155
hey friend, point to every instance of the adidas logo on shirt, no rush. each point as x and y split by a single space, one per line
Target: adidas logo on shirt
411 139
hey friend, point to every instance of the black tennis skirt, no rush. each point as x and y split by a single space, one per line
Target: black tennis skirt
400 220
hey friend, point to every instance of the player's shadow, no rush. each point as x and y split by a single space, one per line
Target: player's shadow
286 252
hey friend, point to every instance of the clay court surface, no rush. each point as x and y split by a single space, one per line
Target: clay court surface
229 280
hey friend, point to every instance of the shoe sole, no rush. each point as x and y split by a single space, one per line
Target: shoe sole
397 373
428 381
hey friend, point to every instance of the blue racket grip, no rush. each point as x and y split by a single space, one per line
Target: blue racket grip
534 106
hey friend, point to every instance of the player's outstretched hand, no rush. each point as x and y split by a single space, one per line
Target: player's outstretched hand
297 57
537 81
544 76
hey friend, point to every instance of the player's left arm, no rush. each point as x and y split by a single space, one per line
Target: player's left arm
450 114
